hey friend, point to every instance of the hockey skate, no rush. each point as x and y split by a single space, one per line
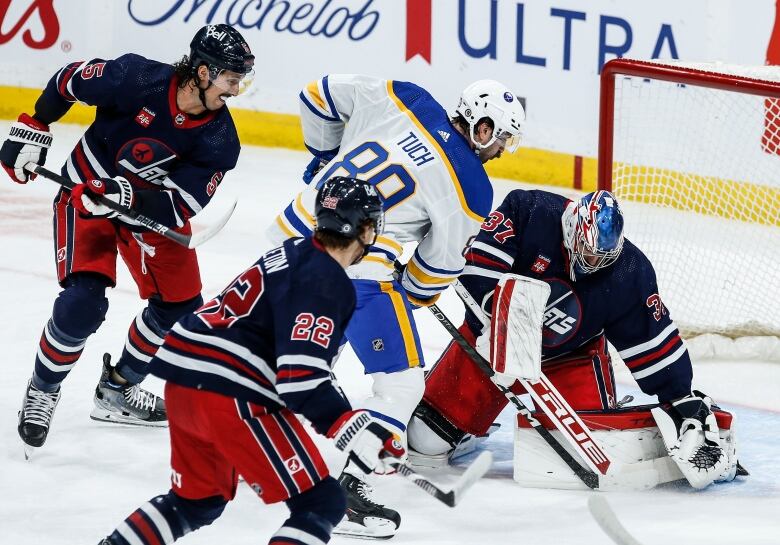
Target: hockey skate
126 404
35 417
365 518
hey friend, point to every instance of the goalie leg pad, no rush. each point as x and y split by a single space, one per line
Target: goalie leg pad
585 377
461 392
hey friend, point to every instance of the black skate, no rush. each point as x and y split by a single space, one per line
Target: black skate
35 417
365 518
126 404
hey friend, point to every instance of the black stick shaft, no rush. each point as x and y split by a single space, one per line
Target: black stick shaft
145 221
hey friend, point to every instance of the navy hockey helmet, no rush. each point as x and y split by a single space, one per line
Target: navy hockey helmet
221 47
344 204
593 232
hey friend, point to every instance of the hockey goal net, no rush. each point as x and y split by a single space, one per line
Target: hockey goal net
692 151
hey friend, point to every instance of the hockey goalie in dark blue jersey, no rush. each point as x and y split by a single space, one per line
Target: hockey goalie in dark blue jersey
160 144
602 289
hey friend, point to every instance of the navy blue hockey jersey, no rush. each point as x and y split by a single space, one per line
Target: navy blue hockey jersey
524 235
270 337
174 161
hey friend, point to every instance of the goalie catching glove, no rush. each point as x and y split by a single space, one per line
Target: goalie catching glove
369 444
116 189
28 142
692 438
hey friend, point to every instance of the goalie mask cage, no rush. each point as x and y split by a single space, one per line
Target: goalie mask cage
692 151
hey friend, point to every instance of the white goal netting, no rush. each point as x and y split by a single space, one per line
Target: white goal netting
697 170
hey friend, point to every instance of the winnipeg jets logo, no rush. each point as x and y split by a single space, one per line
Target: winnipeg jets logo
145 160
293 464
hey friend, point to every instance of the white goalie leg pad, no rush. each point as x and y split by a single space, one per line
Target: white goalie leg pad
699 454
519 305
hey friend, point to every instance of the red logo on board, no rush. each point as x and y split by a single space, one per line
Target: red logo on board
48 19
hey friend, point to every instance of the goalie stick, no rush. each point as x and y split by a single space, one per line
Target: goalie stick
609 474
188 241
450 497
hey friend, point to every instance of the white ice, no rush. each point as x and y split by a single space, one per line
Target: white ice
89 476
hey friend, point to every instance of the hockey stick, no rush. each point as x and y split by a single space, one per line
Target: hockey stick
607 520
450 497
588 477
188 241
609 473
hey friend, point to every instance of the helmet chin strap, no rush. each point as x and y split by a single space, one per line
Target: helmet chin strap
202 94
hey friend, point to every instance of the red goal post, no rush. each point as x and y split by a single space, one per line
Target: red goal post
692 151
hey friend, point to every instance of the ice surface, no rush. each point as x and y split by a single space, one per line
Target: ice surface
89 475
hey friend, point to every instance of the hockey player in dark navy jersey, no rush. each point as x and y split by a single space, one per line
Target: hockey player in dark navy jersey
241 366
161 142
602 288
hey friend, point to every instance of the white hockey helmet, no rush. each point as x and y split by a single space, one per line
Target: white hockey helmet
491 99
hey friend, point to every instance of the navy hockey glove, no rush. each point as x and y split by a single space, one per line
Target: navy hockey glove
27 142
321 158
369 444
116 189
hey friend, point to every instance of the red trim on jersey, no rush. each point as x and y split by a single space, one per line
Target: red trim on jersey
188 122
83 164
172 341
63 89
619 420
476 258
631 364
293 374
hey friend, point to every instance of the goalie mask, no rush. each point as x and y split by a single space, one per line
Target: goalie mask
592 233
490 99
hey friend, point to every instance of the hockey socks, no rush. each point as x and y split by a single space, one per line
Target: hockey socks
313 514
56 356
164 519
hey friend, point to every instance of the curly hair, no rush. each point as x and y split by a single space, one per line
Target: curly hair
184 71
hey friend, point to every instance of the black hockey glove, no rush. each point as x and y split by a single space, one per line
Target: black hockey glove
27 142
116 189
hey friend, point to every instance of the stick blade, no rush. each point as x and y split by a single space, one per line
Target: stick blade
202 236
475 472
607 520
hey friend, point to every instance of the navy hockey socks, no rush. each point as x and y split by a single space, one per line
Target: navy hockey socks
164 519
78 312
146 335
313 515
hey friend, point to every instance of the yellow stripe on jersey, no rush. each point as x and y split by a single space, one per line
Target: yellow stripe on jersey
314 92
303 212
390 242
381 260
284 228
455 182
403 320
426 278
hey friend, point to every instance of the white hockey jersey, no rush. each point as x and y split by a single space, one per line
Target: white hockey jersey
397 137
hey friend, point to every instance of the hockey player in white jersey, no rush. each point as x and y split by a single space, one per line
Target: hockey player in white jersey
428 169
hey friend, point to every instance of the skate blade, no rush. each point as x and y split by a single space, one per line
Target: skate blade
29 450
375 529
101 415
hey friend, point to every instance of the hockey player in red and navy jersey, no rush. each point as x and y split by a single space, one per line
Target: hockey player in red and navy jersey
602 288
238 369
161 142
